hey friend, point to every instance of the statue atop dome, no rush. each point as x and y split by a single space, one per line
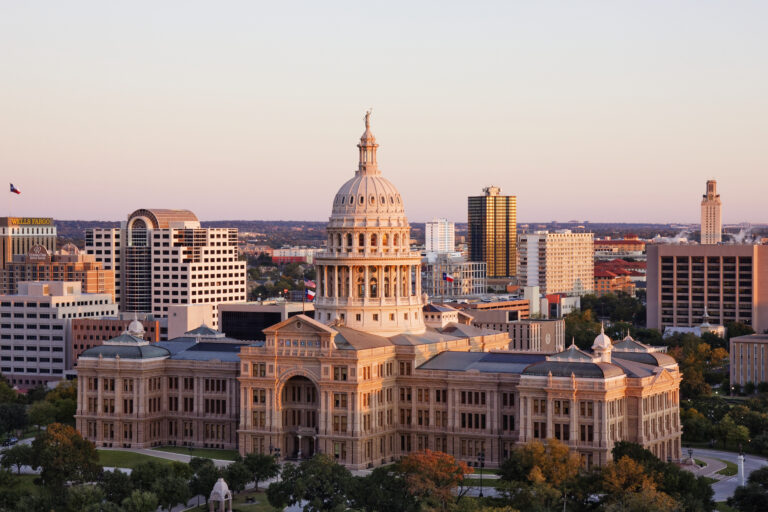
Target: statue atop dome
368 117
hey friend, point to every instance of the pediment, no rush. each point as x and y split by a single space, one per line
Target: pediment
299 324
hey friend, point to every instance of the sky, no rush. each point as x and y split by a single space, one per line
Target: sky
591 110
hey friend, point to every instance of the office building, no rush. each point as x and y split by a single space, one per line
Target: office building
36 329
557 262
378 374
66 264
749 359
729 282
711 216
613 281
492 232
163 258
19 234
439 236
447 276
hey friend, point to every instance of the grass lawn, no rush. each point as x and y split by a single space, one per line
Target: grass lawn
699 463
208 453
118 459
730 468
485 471
260 503
475 482
709 480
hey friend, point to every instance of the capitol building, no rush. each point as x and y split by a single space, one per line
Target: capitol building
379 372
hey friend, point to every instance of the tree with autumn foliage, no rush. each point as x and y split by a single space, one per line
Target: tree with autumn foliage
64 456
628 487
432 476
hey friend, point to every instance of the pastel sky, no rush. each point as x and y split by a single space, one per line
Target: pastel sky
597 110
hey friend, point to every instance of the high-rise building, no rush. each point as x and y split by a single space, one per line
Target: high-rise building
559 262
19 234
66 264
728 282
36 328
440 236
711 216
492 224
163 257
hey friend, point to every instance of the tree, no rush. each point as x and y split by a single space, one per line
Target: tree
735 329
205 476
320 481
237 475
628 487
171 490
18 455
261 466
12 416
534 461
753 496
7 393
140 501
383 490
64 456
42 413
432 476
146 474
116 485
83 497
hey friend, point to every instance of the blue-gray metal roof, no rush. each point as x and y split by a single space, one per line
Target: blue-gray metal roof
486 362
127 351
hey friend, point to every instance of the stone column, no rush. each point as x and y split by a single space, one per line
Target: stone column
351 284
366 292
550 425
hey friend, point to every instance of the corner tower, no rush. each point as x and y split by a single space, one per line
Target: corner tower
368 278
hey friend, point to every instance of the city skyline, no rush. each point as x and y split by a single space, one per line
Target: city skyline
248 112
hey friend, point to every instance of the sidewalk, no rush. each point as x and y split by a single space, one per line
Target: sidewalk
166 455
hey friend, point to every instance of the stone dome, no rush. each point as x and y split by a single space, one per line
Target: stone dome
135 328
367 194
602 340
220 491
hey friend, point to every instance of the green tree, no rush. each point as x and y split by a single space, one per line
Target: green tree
384 490
145 475
18 455
140 501
171 490
116 485
205 476
83 497
42 413
12 416
736 329
63 455
582 328
319 481
752 497
261 466
237 475
7 393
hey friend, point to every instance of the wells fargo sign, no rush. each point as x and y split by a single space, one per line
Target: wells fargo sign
30 221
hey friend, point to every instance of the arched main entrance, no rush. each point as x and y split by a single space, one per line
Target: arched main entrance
300 409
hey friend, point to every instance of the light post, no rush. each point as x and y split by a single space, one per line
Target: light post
690 454
481 462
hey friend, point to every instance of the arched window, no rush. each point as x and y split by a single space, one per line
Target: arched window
360 288
349 240
374 241
338 239
361 240
387 290
397 239
385 239
373 284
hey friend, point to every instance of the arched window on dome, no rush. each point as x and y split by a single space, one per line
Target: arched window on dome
373 284
397 240
338 240
374 242
361 241
404 274
349 242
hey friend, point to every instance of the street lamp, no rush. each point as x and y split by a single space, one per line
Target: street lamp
481 461
690 454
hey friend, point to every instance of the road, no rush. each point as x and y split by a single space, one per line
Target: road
726 486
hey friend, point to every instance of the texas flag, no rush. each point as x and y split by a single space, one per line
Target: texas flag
309 284
310 295
447 277
15 190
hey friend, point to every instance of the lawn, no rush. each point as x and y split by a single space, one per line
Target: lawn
700 463
730 468
119 459
487 482
260 503
208 453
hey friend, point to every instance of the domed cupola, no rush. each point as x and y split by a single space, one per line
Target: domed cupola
602 346
369 279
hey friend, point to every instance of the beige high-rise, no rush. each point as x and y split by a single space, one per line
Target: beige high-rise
561 262
711 216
